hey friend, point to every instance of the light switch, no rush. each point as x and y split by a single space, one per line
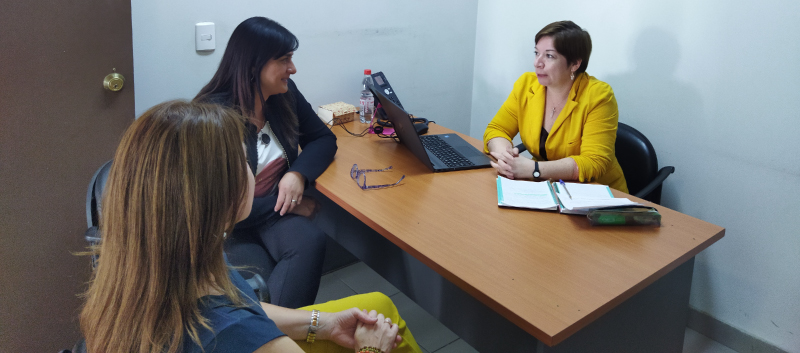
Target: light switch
204 36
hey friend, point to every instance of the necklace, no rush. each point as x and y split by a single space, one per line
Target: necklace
553 114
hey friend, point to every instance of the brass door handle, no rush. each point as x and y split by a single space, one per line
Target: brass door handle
113 82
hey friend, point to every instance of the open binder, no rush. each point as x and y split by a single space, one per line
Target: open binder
569 198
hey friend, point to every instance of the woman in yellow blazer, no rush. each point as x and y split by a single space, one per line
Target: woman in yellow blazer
566 118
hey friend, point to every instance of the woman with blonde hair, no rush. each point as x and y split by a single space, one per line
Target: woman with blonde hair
179 182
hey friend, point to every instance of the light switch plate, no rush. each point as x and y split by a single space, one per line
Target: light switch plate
205 37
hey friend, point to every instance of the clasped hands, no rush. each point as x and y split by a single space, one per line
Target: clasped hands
355 328
510 165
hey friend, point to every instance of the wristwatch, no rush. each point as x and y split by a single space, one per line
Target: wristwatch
312 328
536 173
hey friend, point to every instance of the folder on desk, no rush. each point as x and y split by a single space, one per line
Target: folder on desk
549 196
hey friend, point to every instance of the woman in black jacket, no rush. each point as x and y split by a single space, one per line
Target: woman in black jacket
278 238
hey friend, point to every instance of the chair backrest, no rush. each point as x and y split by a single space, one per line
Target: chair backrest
94 200
94 205
94 194
637 157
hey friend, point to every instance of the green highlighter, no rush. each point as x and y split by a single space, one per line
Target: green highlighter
627 215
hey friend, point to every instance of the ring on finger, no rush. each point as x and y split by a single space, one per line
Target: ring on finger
387 320
293 201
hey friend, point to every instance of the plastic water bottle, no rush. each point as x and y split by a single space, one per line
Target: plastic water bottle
367 100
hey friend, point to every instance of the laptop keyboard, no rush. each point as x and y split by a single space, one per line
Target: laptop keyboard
444 151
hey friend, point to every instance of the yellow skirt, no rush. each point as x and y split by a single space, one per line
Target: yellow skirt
370 301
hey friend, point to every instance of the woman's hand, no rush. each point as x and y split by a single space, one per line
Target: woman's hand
341 327
382 334
499 144
510 165
290 188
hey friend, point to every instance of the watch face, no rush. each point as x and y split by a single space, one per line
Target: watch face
536 174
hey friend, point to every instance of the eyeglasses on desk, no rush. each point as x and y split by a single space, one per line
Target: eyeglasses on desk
360 177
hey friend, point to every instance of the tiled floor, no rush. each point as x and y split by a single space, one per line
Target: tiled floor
431 335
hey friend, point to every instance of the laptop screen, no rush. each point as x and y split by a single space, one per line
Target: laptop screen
403 126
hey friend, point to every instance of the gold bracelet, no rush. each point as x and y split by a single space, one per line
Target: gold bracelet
369 350
312 328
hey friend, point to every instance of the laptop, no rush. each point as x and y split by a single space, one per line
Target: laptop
440 153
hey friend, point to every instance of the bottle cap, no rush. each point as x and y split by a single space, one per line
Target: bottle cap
367 72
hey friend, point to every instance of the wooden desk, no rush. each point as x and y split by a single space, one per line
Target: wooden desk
549 274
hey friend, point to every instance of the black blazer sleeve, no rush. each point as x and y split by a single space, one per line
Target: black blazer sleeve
317 142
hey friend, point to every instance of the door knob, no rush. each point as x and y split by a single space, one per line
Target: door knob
113 81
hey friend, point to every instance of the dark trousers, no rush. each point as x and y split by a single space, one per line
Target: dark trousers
287 253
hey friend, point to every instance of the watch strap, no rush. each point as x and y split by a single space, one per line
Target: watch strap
313 326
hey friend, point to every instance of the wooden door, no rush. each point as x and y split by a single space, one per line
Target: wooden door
57 126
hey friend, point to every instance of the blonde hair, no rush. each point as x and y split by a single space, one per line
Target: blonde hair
174 189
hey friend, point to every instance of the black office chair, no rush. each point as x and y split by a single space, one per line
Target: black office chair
639 163
94 200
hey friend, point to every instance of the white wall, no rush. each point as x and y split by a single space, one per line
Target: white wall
424 48
714 85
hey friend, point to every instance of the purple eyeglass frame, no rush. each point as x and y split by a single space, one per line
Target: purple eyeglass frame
357 174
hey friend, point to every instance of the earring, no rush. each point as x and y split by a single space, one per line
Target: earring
572 76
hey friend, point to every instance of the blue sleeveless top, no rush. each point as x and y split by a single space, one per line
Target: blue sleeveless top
235 329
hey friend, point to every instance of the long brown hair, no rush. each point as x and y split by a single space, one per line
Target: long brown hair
253 43
174 189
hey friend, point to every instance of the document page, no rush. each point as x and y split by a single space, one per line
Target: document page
587 196
525 194
587 191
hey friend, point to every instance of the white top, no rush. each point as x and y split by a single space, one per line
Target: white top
267 152
271 163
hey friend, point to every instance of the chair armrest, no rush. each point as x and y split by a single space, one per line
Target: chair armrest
260 287
657 181
79 347
92 235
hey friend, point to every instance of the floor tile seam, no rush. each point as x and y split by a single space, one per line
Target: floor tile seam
336 273
348 286
447 344
375 273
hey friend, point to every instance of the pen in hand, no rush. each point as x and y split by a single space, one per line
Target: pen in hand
564 185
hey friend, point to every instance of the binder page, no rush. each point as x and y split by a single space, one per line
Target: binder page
596 203
588 196
526 194
587 191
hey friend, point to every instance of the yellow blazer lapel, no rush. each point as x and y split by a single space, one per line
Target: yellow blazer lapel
534 116
566 112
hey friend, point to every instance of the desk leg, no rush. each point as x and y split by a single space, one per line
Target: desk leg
651 321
